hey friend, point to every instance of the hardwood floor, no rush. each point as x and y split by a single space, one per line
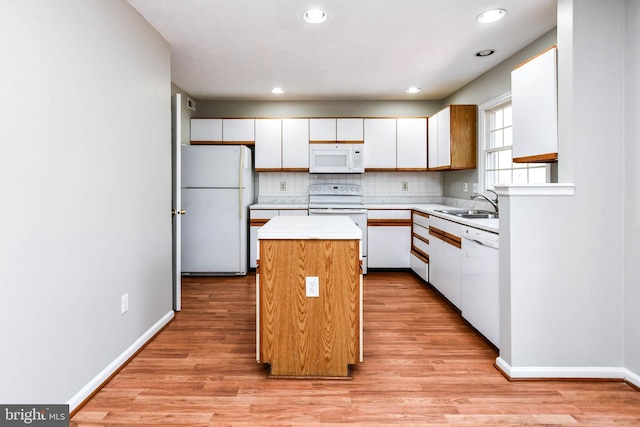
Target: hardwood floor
423 365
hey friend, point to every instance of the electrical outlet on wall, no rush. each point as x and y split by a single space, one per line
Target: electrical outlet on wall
464 187
313 286
124 303
283 186
405 186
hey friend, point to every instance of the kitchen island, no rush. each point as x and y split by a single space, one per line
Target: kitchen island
309 296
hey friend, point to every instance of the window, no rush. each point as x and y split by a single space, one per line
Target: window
497 141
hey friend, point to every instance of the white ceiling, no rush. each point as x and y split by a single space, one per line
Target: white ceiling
365 50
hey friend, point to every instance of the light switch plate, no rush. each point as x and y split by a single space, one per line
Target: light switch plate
313 287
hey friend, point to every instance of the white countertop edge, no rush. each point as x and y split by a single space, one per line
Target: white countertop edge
509 190
310 228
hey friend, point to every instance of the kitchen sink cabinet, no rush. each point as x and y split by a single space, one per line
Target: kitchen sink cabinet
411 144
258 218
380 144
420 244
445 245
388 237
534 102
282 145
452 138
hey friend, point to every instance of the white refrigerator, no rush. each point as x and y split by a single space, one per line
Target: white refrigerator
217 189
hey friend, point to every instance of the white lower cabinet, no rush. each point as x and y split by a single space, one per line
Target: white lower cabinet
420 247
258 218
445 245
388 237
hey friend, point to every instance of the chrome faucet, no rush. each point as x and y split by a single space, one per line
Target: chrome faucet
494 203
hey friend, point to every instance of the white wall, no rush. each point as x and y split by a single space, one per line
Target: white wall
232 109
567 255
85 184
632 188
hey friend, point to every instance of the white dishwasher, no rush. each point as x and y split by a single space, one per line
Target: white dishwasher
479 281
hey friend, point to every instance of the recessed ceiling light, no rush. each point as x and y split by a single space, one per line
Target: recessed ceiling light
485 52
491 16
315 16
277 90
413 90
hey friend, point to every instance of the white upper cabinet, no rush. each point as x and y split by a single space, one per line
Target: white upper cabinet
238 131
350 129
322 129
331 129
282 144
206 130
534 101
268 144
380 144
411 144
295 144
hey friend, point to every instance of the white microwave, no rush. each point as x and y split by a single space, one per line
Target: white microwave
336 158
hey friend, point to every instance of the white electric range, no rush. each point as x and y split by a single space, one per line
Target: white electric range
341 199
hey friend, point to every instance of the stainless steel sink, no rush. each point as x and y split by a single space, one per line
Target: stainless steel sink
470 213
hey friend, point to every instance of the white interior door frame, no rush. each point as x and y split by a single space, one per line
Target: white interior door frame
177 212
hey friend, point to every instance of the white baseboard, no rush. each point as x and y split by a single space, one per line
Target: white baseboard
99 379
599 372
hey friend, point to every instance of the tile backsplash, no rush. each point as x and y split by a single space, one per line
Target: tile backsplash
377 187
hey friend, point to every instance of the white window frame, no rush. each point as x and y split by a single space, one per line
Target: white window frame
483 111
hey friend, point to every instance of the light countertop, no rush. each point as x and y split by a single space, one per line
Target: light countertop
491 225
335 227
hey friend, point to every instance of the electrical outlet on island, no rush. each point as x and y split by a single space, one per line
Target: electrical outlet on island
313 287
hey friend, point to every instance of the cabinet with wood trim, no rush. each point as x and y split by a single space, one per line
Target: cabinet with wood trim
206 131
534 106
258 218
411 144
388 238
268 146
222 131
445 243
295 145
419 257
452 138
336 130
282 145
380 144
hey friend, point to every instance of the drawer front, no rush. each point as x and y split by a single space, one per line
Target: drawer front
420 267
389 213
420 218
421 245
421 231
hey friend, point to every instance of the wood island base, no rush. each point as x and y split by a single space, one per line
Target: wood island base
303 336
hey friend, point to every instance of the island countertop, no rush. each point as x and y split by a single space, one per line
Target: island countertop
334 227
